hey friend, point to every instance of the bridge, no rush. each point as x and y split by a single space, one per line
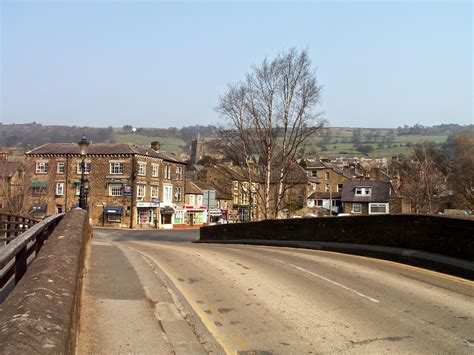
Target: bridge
272 287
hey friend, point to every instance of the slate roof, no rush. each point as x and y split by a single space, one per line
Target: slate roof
220 194
381 191
101 149
324 195
192 188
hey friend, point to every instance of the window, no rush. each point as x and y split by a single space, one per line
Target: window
179 173
192 199
339 187
116 168
356 208
114 217
314 173
115 189
179 193
363 191
168 193
154 191
87 168
327 188
319 203
141 190
199 200
155 170
78 187
60 167
41 167
378 208
326 176
39 190
59 188
142 169
167 172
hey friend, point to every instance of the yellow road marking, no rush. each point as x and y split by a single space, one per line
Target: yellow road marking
208 323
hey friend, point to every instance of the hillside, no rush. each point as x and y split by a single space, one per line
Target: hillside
374 142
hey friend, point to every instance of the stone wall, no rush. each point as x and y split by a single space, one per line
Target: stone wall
452 237
40 315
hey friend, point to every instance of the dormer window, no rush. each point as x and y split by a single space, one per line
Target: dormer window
363 191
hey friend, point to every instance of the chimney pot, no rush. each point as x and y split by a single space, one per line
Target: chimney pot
155 146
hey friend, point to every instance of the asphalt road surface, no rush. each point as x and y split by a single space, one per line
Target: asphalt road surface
261 300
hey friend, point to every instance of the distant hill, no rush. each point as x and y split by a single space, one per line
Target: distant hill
329 141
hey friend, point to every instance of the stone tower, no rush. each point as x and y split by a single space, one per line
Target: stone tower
197 149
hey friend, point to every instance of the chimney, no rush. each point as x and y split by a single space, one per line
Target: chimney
155 146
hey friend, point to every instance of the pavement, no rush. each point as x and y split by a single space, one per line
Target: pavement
126 307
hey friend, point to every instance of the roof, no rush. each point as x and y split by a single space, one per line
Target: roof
192 188
220 194
101 149
8 168
381 191
324 195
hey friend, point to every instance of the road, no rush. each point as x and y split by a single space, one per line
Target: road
295 301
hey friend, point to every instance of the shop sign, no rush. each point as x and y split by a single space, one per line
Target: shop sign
215 212
148 204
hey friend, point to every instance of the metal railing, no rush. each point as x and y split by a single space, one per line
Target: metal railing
14 257
12 225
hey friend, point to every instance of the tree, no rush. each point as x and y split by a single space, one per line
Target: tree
14 189
460 167
270 115
364 148
422 179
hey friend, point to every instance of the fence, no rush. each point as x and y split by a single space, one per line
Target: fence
13 225
14 256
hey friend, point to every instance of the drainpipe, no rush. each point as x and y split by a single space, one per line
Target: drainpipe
133 194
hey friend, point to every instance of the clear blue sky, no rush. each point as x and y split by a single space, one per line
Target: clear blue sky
162 64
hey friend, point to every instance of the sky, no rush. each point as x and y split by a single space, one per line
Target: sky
164 64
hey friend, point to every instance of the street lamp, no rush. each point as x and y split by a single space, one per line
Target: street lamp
83 145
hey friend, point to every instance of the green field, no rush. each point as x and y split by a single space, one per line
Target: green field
172 145
331 142
339 142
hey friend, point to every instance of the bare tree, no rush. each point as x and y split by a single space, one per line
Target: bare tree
13 190
267 118
461 169
422 180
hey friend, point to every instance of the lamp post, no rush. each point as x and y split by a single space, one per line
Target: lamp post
83 145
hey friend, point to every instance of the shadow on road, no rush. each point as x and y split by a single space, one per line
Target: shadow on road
174 236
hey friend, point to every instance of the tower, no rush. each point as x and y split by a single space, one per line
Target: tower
197 149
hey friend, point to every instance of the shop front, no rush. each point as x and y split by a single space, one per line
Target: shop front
215 214
113 214
195 216
166 213
147 214
39 210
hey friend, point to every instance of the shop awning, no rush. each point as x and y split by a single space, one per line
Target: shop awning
39 183
215 212
166 210
113 210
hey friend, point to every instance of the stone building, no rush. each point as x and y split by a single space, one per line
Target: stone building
126 185
326 182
